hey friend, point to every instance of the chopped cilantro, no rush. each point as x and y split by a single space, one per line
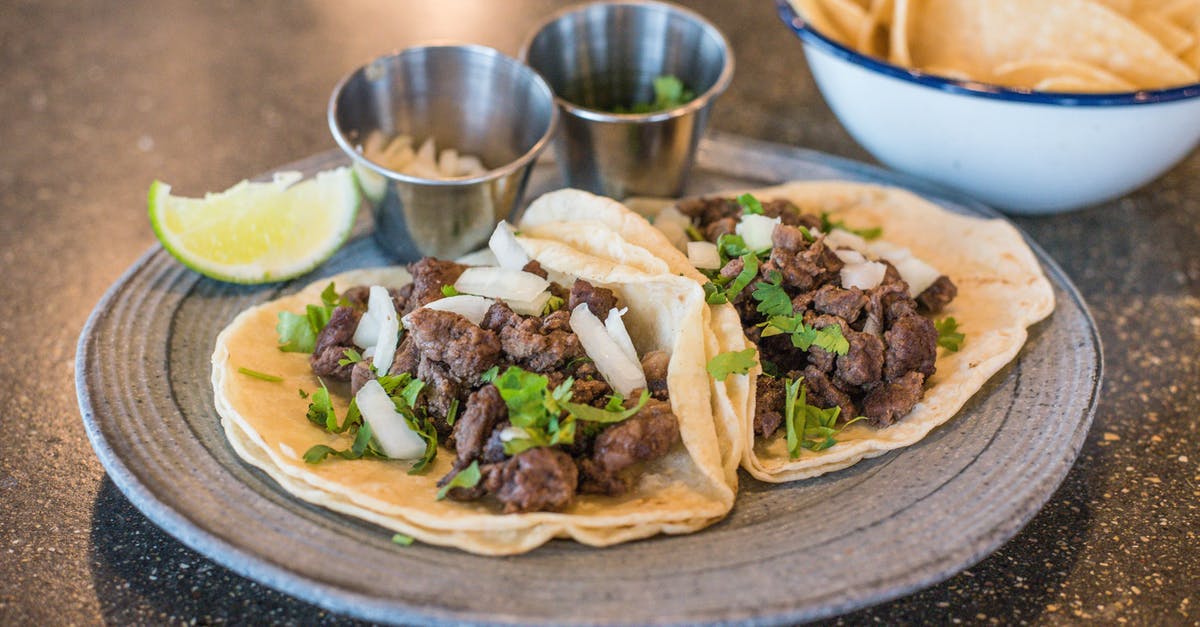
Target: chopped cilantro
535 409
948 336
804 336
732 362
452 413
448 291
402 539
303 394
259 375
694 233
772 299
351 357
466 478
750 204
809 426
552 305
749 271
490 374
828 225
769 368
361 447
731 245
713 294
611 413
298 333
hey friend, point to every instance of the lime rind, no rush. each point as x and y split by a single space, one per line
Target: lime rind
258 232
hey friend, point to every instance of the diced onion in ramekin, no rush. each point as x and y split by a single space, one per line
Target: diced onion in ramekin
674 225
473 308
756 230
704 255
616 328
864 276
501 283
532 307
623 374
389 428
504 245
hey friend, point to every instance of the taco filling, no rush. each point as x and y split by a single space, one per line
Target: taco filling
536 388
841 322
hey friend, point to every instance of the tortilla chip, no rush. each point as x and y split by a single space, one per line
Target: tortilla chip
1059 74
685 490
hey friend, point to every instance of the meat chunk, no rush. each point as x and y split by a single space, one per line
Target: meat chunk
654 364
801 265
599 299
358 296
911 346
332 342
532 343
485 409
447 337
863 363
893 400
590 392
843 303
732 268
407 357
938 295
647 435
538 479
533 267
441 389
823 393
360 373
429 275
789 214
768 406
715 230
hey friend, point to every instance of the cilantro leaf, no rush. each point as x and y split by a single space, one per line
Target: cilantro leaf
402 539
808 426
694 233
732 362
828 225
331 299
805 336
772 299
358 449
553 304
466 478
490 374
296 335
320 409
948 336
608 415
713 294
831 339
750 205
452 413
449 290
731 245
535 409
351 357
749 271
259 375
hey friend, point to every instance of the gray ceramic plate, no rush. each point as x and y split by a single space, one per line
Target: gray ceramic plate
881 529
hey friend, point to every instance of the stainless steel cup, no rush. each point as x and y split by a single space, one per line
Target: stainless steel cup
600 56
470 98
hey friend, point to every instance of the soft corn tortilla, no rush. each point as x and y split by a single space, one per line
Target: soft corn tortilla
1001 291
684 491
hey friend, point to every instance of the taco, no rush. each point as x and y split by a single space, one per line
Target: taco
488 408
856 297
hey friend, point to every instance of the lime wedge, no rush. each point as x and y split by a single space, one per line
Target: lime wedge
258 232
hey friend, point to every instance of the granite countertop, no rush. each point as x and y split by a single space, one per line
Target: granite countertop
99 99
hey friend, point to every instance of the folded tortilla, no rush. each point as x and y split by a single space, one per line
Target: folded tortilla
686 490
1001 292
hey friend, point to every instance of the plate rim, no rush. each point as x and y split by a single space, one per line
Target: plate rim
337 599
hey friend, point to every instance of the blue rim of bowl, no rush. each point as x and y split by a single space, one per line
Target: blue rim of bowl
527 157
809 35
597 115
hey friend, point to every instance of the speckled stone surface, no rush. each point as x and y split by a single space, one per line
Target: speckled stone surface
101 98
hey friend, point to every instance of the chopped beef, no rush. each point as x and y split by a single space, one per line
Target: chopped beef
484 410
400 297
823 393
715 230
801 302
358 296
407 357
538 479
708 210
801 265
821 359
447 337
938 295
533 267
863 363
654 364
493 449
332 342
768 406
911 346
732 268
359 375
790 214
879 301
590 392
835 301
599 299
441 389
647 435
429 275
557 321
530 343
893 400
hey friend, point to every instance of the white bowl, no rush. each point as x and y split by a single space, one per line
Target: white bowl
1021 151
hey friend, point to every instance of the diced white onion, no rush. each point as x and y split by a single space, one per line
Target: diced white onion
837 238
381 307
473 308
510 433
504 245
369 352
623 374
501 283
532 307
756 230
889 251
864 275
704 255
674 225
366 334
918 274
389 428
616 328
850 256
